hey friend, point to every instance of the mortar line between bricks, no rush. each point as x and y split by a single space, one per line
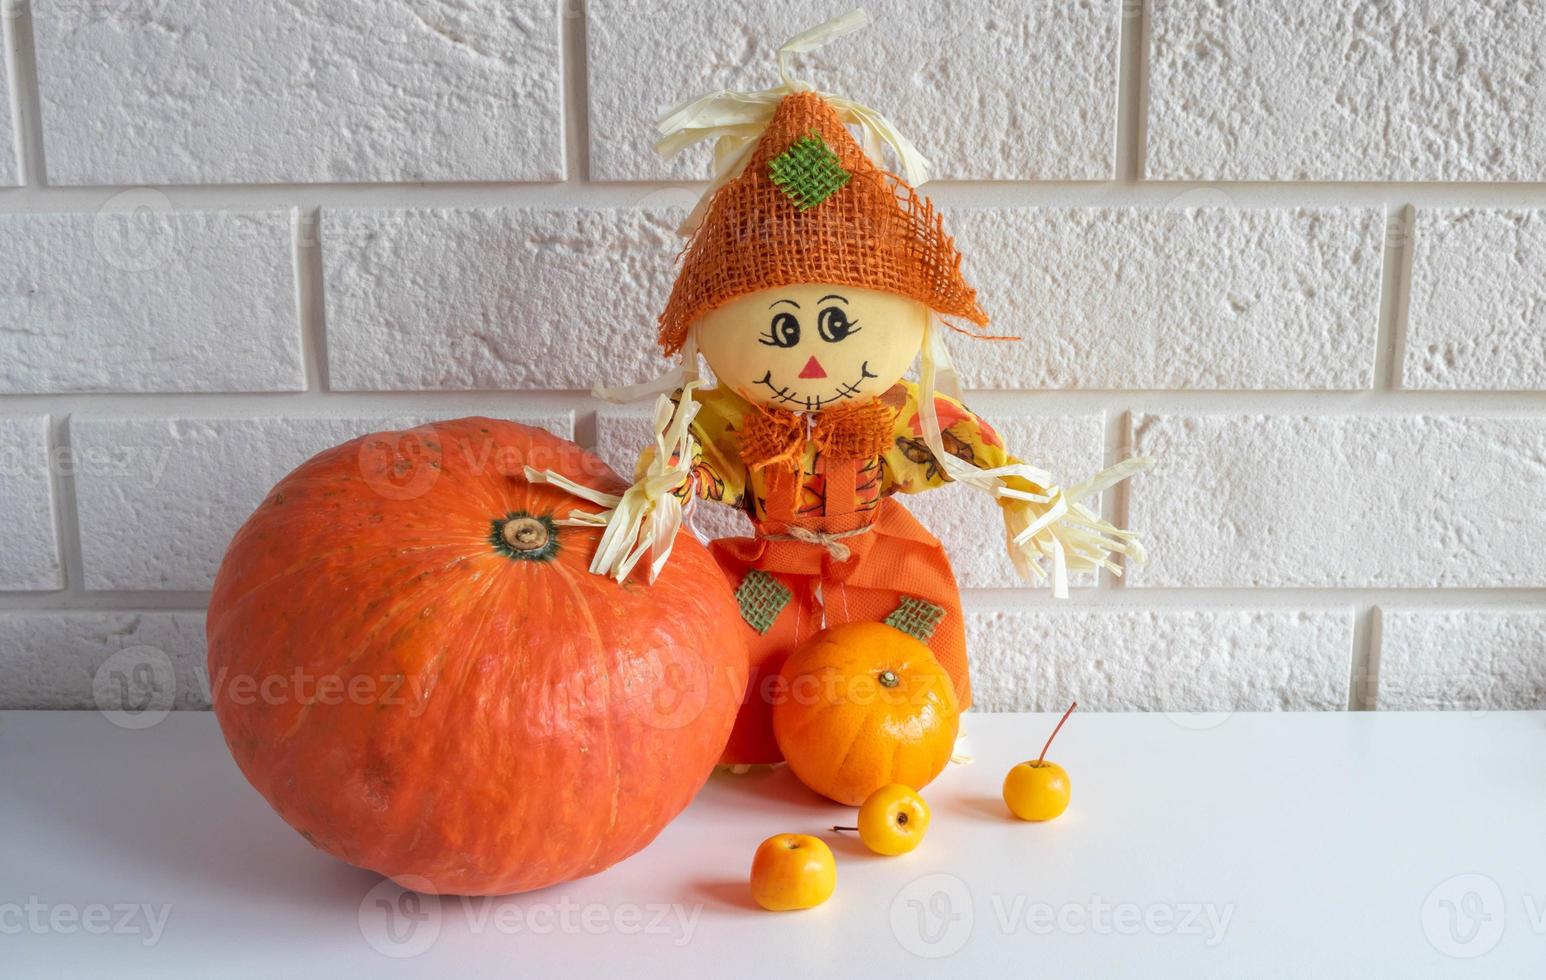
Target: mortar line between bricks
1132 90
587 429
22 74
13 88
950 194
1390 266
576 91
56 603
66 508
1401 300
310 298
1114 501
1028 402
1373 657
1140 598
1361 658
1135 599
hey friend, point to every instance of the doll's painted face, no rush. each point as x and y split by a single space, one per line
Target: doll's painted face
812 346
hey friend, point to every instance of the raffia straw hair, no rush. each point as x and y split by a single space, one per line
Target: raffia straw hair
810 206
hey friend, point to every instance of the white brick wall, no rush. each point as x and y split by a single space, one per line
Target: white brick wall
159 499
1294 250
140 298
31 556
493 298
67 659
1478 300
1423 501
1040 79
9 171
1193 660
1175 297
1422 90
182 92
1463 659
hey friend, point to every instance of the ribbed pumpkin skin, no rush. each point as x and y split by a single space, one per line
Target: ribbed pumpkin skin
445 714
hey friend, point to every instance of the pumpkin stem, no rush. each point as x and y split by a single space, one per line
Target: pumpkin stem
525 536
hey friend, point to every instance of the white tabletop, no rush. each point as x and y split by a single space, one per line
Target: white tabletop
1231 845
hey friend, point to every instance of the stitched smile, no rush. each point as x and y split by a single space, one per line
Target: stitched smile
815 403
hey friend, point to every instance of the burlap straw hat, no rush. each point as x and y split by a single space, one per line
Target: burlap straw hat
810 206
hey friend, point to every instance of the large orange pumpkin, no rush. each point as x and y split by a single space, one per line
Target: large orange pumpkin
416 668
861 706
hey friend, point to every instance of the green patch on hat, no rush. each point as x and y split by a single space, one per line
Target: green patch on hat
808 172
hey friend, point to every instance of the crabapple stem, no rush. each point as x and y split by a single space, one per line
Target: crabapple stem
845 828
1042 758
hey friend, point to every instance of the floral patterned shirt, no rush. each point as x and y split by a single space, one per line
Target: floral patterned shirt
905 466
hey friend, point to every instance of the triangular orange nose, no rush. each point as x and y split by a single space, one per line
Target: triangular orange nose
812 369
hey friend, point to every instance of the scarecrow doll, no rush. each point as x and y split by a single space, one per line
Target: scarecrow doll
811 283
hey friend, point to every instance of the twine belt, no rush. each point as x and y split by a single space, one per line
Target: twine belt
830 540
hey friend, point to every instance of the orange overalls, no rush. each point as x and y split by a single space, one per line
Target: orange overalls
831 545
876 564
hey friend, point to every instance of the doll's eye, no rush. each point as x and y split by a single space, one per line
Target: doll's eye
784 331
834 324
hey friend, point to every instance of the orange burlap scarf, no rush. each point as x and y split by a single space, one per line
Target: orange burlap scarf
777 436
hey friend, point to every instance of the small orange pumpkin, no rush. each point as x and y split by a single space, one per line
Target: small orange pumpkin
861 706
